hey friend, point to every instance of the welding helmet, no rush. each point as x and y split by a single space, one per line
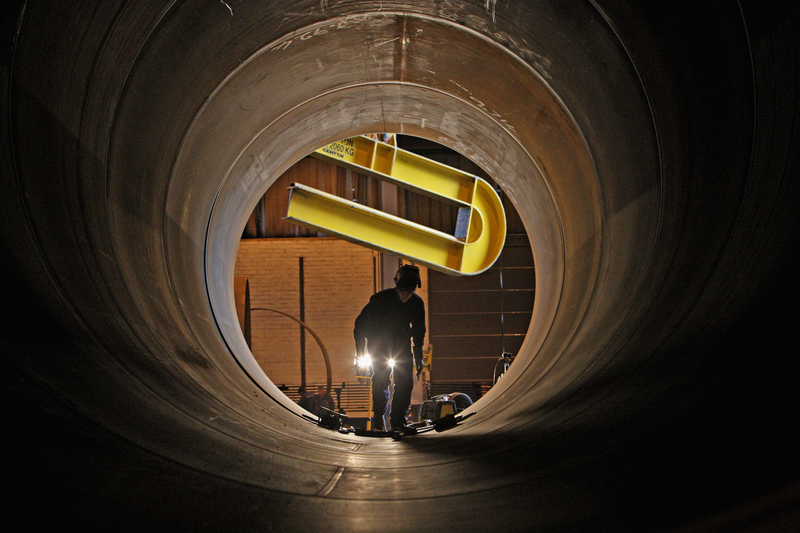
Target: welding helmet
407 277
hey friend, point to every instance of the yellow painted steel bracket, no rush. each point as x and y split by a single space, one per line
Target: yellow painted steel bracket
480 230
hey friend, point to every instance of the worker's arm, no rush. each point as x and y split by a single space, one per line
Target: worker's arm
359 335
418 331
362 327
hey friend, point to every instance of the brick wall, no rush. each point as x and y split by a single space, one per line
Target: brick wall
339 278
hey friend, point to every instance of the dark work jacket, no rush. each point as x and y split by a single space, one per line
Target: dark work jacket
386 326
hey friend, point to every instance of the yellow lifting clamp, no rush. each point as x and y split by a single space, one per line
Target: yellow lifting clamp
481 225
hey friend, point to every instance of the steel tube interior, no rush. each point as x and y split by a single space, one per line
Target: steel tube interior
647 152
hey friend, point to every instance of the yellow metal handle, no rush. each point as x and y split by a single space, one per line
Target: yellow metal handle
481 229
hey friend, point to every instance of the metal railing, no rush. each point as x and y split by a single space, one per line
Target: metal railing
350 397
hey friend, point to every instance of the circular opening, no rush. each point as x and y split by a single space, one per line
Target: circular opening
273 110
306 288
475 120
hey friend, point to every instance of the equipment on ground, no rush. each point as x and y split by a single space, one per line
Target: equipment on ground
438 414
443 405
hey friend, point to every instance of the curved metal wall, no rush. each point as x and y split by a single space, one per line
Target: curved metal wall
648 149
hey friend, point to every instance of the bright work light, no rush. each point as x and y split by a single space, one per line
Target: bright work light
362 365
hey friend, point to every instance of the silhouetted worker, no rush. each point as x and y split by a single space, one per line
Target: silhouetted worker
321 399
305 397
385 329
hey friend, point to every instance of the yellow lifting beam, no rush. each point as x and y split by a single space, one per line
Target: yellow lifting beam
480 230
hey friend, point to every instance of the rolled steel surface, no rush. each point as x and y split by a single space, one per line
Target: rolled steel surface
649 150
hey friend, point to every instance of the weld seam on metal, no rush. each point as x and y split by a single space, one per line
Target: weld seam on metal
332 483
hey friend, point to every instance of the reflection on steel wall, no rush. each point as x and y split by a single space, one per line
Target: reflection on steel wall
649 151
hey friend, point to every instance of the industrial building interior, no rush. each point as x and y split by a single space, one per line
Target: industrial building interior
649 151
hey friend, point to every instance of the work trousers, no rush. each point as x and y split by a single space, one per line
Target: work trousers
403 385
